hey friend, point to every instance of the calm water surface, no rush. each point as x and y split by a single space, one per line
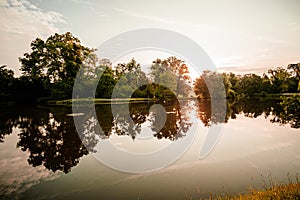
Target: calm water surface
42 156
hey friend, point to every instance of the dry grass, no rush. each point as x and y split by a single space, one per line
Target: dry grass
290 191
271 191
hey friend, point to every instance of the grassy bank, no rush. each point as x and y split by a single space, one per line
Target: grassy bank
98 101
290 191
271 190
88 101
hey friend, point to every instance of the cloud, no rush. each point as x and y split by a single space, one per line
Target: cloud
16 174
147 17
230 61
21 22
22 17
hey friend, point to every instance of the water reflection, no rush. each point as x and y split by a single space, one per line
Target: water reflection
177 120
175 126
279 112
51 139
290 113
48 135
205 114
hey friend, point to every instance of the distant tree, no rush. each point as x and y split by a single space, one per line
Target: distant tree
251 84
171 73
181 72
210 85
230 83
129 77
6 83
280 79
266 84
164 78
296 70
106 83
123 68
200 88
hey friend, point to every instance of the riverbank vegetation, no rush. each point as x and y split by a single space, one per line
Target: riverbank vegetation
277 82
270 190
277 192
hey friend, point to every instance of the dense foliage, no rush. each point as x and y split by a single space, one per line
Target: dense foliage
277 81
49 71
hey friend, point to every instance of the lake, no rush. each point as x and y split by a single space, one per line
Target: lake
145 150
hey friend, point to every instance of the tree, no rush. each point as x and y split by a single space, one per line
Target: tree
230 83
210 85
129 77
106 83
181 72
266 84
280 79
27 91
296 70
251 84
55 62
165 81
6 83
200 88
171 73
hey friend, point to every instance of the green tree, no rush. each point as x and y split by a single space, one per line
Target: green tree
106 83
230 81
296 71
165 80
129 77
266 84
251 84
280 79
55 62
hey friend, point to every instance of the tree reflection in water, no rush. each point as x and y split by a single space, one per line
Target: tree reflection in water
290 113
50 137
283 112
175 124
205 114
51 140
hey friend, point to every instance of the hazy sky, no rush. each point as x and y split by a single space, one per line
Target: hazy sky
250 35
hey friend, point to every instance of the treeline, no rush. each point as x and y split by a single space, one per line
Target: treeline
276 81
49 71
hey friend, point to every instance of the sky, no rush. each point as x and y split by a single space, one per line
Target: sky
239 36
